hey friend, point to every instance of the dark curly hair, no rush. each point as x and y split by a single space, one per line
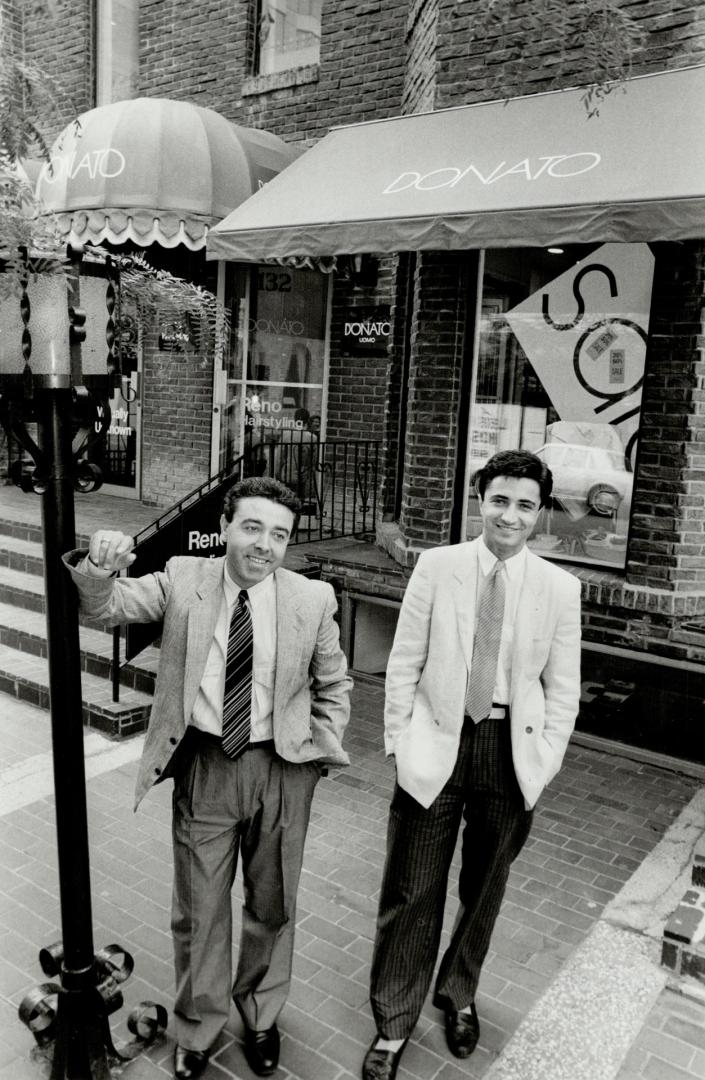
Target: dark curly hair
519 463
260 487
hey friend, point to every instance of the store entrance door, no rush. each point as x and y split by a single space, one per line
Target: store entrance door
270 389
118 455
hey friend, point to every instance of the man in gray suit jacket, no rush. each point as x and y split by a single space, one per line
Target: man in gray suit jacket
483 686
250 705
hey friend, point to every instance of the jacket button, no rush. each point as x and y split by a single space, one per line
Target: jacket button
173 740
528 730
158 771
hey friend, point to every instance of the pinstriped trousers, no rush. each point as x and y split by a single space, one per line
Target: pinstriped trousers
420 844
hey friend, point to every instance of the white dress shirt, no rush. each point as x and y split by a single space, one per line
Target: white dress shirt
513 581
208 708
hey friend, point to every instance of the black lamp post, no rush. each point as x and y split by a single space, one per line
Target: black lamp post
56 394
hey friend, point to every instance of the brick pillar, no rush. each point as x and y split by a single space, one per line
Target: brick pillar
178 393
437 348
667 544
356 383
394 401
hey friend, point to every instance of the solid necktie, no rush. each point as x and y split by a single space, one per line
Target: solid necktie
237 696
485 652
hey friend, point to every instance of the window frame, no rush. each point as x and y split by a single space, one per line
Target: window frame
580 542
262 70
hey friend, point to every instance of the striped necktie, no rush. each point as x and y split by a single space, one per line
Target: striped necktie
237 696
485 652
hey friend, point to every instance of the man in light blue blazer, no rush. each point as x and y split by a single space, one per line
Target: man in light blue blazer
482 692
292 684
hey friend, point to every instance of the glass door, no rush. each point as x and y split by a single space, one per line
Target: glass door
271 388
118 454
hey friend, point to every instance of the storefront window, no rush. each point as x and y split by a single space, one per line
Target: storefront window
559 368
275 401
289 34
117 50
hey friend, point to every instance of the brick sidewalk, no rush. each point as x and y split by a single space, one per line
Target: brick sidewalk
595 824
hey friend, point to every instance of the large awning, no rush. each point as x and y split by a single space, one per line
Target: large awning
153 170
527 172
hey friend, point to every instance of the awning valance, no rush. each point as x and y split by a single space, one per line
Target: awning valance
153 170
527 172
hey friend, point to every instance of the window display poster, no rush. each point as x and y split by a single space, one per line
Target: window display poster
585 335
493 427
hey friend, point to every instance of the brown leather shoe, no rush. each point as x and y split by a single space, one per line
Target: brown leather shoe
188 1064
381 1064
262 1050
462 1031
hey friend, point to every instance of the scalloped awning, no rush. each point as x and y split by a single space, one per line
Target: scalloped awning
154 171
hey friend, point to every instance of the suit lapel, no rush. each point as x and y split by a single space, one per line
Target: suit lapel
290 619
529 616
465 585
202 617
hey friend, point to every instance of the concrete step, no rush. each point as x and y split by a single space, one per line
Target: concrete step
26 677
26 631
23 637
26 556
19 528
21 513
30 531
683 946
21 589
24 590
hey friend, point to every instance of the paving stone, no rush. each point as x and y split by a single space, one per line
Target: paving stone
337 916
344 1051
658 1069
671 1049
693 1034
356 1024
305 1028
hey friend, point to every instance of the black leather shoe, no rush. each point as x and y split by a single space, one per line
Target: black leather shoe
262 1050
188 1064
462 1032
381 1064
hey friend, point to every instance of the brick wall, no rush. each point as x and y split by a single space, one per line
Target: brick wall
176 415
420 76
196 51
667 544
467 70
356 385
62 46
203 51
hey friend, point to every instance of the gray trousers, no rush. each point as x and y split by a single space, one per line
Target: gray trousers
259 805
420 844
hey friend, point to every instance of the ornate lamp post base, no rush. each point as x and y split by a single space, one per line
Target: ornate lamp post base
70 1022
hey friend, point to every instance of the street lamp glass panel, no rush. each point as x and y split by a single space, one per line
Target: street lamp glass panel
49 325
11 362
94 351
